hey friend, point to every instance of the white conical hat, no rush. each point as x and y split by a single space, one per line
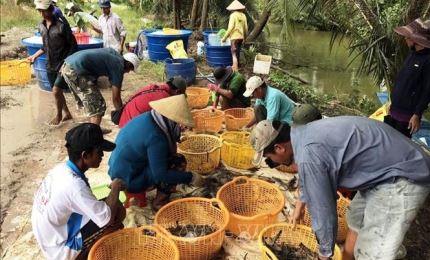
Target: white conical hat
174 108
235 5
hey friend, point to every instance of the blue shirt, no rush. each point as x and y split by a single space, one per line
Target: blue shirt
278 105
99 62
350 152
141 156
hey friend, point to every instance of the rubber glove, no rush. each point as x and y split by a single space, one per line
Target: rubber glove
213 87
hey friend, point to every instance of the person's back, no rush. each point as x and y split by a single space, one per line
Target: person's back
240 26
278 105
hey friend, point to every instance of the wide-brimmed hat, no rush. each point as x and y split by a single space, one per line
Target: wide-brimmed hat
235 5
418 31
174 108
42 4
222 74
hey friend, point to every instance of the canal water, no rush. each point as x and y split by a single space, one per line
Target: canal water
307 53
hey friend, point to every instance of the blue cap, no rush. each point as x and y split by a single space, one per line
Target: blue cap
104 3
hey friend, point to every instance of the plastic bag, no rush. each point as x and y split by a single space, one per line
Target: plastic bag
200 48
176 49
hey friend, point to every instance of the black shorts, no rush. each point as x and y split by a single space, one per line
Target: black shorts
56 79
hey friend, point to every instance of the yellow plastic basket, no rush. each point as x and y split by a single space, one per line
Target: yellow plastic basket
292 237
236 118
14 72
253 204
236 150
342 225
202 152
208 120
146 243
197 97
195 211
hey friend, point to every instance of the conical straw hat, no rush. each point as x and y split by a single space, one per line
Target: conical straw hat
235 5
174 108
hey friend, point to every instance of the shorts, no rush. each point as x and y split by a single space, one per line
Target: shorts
236 46
85 90
56 79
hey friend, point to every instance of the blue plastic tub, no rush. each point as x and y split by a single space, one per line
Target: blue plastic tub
157 43
217 56
185 68
34 43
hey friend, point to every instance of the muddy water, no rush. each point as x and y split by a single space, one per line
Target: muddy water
307 54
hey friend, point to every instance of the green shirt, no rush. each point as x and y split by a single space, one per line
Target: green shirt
237 85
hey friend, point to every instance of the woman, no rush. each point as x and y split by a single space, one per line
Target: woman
237 31
145 155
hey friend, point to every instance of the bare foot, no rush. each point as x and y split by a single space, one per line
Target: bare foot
67 117
55 121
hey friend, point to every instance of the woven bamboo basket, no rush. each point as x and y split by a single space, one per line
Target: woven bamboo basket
292 237
236 118
195 211
146 243
197 97
236 150
14 72
253 204
208 120
202 152
342 225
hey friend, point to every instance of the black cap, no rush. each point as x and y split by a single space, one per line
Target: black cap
222 74
179 83
87 136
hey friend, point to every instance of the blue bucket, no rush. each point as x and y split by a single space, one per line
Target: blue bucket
383 97
157 43
185 68
217 56
34 43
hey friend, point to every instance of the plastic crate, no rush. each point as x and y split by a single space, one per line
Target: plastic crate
236 150
14 72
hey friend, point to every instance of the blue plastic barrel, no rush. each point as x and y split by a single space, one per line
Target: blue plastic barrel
217 56
34 43
157 42
185 68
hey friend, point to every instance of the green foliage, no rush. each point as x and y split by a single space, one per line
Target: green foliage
13 15
156 70
249 54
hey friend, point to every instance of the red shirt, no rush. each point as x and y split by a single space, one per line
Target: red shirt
139 103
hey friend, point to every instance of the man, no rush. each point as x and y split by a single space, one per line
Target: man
411 91
57 11
86 22
58 43
81 71
271 104
139 102
351 152
67 218
229 89
111 27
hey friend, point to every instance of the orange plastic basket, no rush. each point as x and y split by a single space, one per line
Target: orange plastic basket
195 211
197 97
292 237
236 118
14 72
236 150
253 204
342 225
202 152
82 38
208 120
146 242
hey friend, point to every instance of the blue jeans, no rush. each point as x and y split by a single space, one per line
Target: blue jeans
381 216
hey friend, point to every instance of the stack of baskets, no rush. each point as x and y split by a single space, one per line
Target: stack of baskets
236 150
236 118
253 204
146 242
195 211
197 97
202 152
342 225
208 120
292 237
14 72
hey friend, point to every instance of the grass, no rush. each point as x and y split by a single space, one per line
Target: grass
13 15
156 70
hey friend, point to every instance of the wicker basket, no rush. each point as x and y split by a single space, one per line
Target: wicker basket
208 120
253 204
14 72
197 97
236 118
202 152
236 150
195 211
146 242
292 237
342 225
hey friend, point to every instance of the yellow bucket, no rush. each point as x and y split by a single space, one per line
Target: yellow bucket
14 72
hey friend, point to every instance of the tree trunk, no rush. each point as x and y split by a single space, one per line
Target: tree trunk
194 13
259 26
177 13
204 21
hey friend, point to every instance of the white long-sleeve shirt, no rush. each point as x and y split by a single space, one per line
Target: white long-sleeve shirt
113 29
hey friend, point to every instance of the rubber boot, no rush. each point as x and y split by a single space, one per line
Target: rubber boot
161 199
